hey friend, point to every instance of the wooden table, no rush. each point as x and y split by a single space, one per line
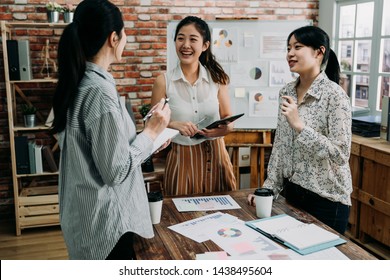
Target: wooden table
169 245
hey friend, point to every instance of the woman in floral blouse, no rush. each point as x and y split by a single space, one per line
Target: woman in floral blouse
313 138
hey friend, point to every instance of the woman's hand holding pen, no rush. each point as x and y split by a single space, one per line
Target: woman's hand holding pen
160 115
185 128
290 109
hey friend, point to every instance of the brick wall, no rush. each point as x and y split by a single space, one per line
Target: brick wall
145 53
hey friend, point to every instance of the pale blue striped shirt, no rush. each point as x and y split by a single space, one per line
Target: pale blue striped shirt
101 187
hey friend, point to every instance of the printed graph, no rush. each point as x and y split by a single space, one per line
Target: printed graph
205 203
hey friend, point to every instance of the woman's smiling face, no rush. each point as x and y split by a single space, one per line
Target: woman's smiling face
189 44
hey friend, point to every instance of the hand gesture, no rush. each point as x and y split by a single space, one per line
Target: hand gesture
290 110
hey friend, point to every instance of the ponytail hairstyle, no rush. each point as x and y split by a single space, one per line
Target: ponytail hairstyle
94 21
207 59
316 38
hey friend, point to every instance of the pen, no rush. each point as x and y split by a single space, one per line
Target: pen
200 121
151 112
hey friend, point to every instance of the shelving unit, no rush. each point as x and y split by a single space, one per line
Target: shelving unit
35 195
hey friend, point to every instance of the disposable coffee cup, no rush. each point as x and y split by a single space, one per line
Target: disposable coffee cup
263 200
155 206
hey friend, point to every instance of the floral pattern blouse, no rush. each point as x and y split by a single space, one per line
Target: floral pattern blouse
317 159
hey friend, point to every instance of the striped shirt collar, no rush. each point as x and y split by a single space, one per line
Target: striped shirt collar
90 66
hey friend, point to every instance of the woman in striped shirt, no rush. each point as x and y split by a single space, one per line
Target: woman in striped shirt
102 196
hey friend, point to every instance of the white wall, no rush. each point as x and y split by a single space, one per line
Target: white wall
327 10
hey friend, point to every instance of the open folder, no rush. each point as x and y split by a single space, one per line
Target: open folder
301 237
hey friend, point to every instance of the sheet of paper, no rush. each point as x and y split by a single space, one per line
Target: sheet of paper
168 133
221 255
196 229
205 203
237 239
288 254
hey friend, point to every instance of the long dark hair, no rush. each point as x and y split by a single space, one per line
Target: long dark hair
207 59
315 37
94 21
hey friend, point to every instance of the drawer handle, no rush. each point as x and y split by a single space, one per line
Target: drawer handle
371 201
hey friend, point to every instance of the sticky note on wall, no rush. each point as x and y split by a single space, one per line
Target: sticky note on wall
239 92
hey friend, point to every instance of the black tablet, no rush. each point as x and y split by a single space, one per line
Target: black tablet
219 122
224 121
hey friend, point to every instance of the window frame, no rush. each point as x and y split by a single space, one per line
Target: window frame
375 72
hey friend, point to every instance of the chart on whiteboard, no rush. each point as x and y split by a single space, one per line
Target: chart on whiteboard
205 203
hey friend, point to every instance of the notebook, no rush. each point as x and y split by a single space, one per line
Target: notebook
301 237
168 133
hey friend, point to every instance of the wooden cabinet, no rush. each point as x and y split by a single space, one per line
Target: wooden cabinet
35 195
375 192
355 163
370 212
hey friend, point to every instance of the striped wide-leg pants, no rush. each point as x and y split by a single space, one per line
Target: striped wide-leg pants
202 168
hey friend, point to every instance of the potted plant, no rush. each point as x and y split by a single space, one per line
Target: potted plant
29 115
68 12
144 110
53 11
147 166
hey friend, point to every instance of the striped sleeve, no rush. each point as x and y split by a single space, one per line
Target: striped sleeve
111 152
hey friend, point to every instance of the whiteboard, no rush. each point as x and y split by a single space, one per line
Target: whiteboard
253 54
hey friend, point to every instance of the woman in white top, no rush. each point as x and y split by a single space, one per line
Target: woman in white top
198 89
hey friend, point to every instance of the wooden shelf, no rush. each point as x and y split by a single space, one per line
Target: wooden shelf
35 25
37 204
36 174
26 129
48 80
42 190
257 141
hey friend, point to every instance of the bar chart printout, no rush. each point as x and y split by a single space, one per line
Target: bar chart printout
205 203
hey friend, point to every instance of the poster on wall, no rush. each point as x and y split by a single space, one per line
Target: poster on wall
280 74
249 74
263 102
225 44
273 45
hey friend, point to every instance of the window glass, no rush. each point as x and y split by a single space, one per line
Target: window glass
386 18
384 83
364 19
347 21
346 55
363 56
361 90
385 55
345 83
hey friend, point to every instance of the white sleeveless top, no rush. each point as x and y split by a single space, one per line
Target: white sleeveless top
191 102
